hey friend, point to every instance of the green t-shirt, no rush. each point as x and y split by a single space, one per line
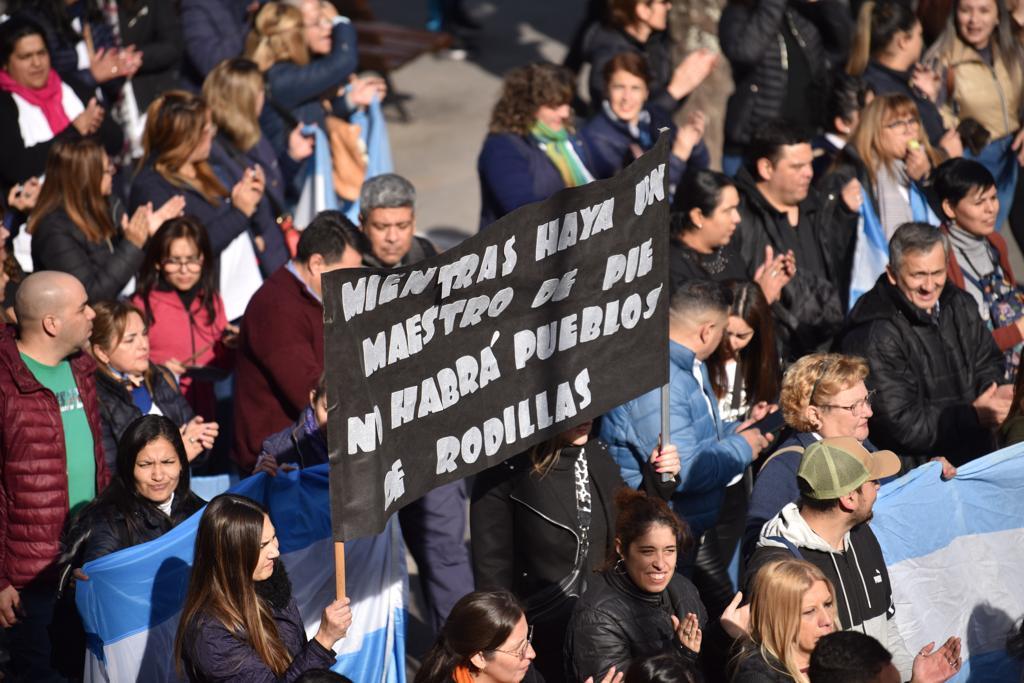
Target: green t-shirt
78 443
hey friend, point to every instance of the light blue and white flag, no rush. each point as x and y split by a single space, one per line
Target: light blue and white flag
955 553
318 184
131 602
871 252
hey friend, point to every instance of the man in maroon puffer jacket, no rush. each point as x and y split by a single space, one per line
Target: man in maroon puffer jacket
51 455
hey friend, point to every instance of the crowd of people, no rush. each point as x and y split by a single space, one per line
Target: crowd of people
842 311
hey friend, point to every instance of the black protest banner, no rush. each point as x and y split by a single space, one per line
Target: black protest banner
549 317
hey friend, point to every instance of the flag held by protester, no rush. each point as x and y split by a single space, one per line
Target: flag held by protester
551 316
131 602
955 552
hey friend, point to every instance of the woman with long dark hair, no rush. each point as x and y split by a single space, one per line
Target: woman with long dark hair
638 605
543 522
177 291
745 368
78 227
147 497
240 621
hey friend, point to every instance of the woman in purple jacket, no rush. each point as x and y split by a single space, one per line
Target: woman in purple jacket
240 621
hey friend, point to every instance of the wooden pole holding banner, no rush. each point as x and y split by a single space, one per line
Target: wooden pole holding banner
665 432
339 569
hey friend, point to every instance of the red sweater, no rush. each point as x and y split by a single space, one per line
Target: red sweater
280 358
1006 337
178 333
33 465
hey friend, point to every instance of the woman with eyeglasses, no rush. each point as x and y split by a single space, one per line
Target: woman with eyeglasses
79 227
637 606
177 291
823 396
240 621
178 138
129 385
890 155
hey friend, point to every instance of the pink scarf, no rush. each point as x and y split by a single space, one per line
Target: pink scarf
49 98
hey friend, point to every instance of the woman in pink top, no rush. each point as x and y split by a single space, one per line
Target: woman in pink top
188 332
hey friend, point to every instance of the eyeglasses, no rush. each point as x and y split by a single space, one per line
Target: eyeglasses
855 408
521 653
190 264
902 125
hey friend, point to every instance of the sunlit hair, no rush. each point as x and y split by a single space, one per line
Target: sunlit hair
74 174
776 607
525 90
822 374
221 586
1006 48
632 63
108 330
759 361
878 23
277 36
231 91
151 275
866 138
478 623
175 125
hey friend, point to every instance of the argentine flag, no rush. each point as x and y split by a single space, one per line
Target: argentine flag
130 603
317 193
871 252
955 554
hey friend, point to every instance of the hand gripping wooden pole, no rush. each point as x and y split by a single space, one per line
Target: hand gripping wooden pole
339 569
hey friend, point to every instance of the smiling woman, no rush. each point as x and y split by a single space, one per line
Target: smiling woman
638 606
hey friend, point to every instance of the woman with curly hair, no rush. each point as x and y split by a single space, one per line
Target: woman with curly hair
531 150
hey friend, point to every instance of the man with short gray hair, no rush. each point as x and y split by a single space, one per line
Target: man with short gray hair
388 219
935 368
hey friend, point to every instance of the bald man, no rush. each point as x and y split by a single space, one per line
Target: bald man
51 455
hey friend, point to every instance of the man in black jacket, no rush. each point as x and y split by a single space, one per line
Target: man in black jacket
779 208
838 482
934 365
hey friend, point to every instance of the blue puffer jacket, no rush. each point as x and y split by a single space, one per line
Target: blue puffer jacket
711 456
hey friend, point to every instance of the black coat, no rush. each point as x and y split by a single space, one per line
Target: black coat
604 42
525 530
103 268
751 667
926 371
103 529
685 264
615 622
810 311
210 652
750 36
118 411
154 28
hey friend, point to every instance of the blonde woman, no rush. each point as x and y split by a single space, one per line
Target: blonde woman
793 605
235 93
981 67
306 50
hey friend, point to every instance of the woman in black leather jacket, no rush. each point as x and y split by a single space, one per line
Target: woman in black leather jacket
535 534
637 606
